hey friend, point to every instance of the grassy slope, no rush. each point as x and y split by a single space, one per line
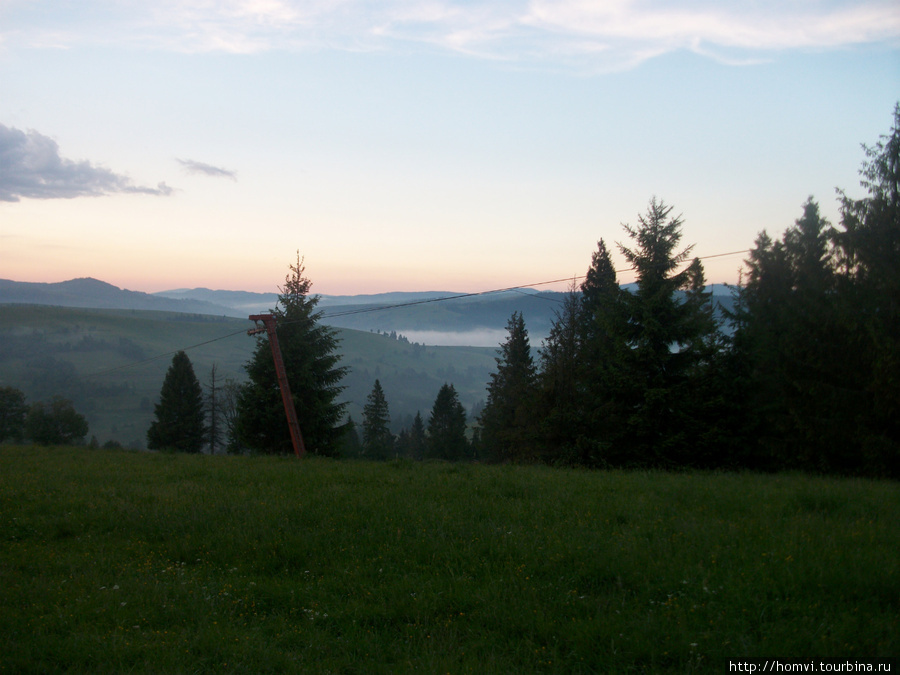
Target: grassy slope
144 562
36 341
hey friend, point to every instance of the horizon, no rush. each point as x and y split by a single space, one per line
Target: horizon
471 146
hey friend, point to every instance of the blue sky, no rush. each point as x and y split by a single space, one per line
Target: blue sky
420 145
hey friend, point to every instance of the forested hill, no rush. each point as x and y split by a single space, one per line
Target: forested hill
92 293
412 312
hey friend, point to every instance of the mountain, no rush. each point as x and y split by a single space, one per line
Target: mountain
437 317
92 293
429 317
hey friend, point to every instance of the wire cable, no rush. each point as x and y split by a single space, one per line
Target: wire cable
380 308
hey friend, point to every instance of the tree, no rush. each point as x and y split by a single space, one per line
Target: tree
179 417
411 442
55 423
226 402
447 426
801 356
508 421
309 352
672 337
561 395
215 413
605 357
869 247
377 440
350 445
12 414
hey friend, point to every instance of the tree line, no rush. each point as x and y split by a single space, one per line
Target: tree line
801 374
53 422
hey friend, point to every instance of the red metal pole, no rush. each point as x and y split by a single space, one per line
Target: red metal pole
289 411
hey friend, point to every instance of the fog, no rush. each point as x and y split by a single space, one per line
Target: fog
482 337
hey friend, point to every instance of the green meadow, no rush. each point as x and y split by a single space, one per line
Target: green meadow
118 561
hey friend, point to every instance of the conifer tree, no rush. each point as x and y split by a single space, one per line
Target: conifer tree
311 362
377 441
798 353
447 427
350 445
869 248
671 335
606 357
561 393
508 419
179 417
417 439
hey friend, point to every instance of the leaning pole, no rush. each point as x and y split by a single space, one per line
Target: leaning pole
268 321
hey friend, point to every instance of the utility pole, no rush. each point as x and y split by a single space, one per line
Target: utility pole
289 411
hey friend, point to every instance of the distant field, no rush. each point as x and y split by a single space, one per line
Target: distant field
102 360
153 563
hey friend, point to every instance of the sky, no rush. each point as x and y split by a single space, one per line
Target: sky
414 145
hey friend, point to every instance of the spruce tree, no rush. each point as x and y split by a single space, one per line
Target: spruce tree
508 421
800 357
607 390
309 351
179 416
561 393
869 248
447 427
417 438
671 335
377 441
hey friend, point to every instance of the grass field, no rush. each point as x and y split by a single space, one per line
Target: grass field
155 563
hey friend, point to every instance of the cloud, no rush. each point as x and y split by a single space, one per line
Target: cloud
206 169
590 33
30 167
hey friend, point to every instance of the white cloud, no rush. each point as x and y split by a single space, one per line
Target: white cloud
31 167
609 33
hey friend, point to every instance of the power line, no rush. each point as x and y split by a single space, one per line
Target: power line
380 308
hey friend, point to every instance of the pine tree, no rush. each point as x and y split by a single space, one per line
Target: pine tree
447 427
508 421
417 439
671 337
561 393
214 412
869 252
800 356
377 441
350 445
179 419
311 362
605 382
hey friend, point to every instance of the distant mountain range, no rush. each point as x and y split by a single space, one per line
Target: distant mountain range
427 314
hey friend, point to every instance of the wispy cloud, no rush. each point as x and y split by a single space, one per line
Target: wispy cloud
192 166
611 33
31 167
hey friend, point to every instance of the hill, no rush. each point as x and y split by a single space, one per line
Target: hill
89 292
111 363
430 317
